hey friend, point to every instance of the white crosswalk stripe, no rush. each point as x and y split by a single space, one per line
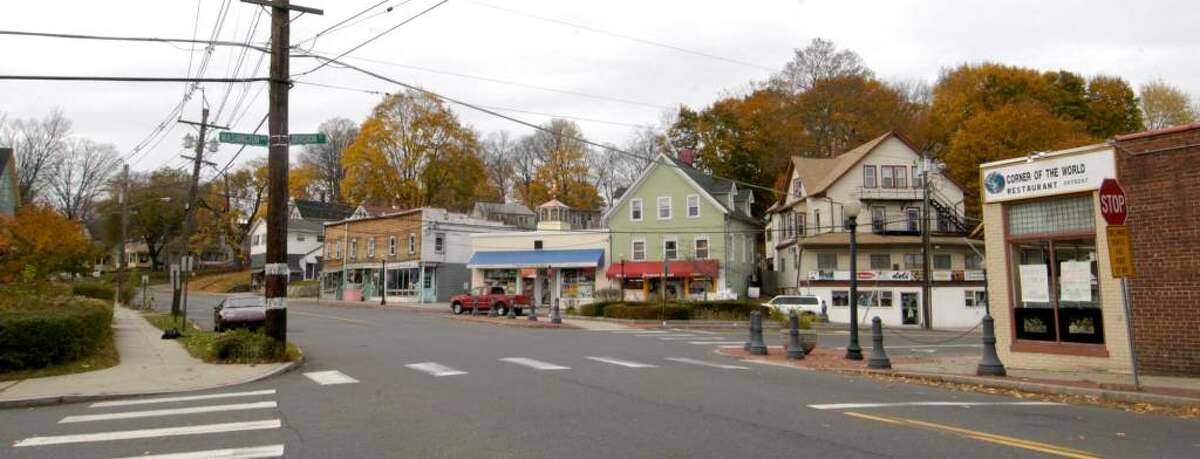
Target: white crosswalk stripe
635 331
147 401
717 343
228 453
624 363
707 364
331 377
435 369
168 412
265 424
535 364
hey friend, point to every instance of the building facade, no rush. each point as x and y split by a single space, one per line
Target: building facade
807 248
512 214
552 263
680 233
413 256
305 238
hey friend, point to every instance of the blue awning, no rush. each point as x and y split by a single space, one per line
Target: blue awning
548 258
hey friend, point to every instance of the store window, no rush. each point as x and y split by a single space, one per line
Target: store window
881 262
941 261
506 278
975 298
841 298
827 261
1056 291
875 298
639 250
578 282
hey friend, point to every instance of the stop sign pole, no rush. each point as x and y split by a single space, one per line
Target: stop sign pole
1115 211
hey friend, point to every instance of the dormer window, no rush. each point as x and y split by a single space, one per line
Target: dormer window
796 187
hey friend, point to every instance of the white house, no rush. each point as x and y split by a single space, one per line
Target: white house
305 237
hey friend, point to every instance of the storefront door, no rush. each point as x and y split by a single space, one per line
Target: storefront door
429 288
908 308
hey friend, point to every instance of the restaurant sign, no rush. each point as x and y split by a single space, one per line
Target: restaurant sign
1047 176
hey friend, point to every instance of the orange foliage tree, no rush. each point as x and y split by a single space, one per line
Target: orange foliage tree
38 242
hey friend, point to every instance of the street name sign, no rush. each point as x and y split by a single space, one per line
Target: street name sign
1120 252
307 139
243 139
1112 202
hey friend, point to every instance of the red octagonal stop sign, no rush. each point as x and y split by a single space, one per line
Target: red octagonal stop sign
1112 202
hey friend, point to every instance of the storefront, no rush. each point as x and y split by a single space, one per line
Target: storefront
674 281
1055 302
542 274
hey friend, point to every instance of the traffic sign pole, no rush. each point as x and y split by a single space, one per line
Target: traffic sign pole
1120 256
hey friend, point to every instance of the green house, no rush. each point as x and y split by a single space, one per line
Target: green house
9 196
681 233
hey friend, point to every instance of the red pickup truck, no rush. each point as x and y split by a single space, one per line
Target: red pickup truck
485 298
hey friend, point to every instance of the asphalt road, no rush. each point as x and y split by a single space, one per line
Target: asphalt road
427 386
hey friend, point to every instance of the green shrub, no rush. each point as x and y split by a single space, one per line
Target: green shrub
648 312
596 309
102 290
244 346
727 310
39 332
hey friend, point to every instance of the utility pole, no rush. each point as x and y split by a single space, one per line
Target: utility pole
276 269
926 281
123 199
189 214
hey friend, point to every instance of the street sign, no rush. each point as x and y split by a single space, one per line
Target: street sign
1120 252
306 139
1112 202
244 139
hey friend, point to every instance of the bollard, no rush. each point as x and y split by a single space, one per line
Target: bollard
879 359
990 364
750 336
512 311
493 311
555 317
532 312
757 346
474 310
794 350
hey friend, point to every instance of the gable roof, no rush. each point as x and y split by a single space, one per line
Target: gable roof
716 189
366 210
502 208
317 210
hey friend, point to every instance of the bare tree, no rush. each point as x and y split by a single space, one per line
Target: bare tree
38 145
525 163
499 151
78 175
327 158
819 60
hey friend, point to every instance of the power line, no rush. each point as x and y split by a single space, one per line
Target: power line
130 79
624 36
138 39
343 21
376 37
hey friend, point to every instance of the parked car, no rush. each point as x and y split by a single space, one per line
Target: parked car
243 311
486 298
802 304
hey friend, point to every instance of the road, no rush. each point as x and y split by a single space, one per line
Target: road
387 383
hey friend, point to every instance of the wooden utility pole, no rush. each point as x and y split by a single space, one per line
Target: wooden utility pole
189 214
926 281
123 199
276 268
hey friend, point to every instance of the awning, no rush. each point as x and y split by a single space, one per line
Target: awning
546 258
677 268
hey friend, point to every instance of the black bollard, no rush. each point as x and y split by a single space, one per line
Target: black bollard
750 335
512 311
794 351
493 311
990 364
757 346
555 317
879 359
532 312
474 310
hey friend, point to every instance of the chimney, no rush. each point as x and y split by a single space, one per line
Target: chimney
687 156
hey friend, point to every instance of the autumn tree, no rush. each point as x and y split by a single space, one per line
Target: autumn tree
1112 108
413 152
324 161
1164 105
562 171
38 242
156 203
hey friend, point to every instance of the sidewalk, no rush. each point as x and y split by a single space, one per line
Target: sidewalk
149 365
1093 386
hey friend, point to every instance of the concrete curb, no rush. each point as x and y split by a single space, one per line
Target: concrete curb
1044 388
63 399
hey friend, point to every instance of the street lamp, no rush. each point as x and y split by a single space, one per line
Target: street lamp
850 214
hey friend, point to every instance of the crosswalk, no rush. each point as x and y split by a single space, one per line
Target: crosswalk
155 421
436 369
680 336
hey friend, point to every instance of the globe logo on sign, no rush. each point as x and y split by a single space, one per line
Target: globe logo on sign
994 182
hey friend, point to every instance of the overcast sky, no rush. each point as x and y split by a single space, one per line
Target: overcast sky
475 52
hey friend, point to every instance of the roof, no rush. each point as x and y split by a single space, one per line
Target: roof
553 203
502 208
716 186
317 210
1150 133
676 268
311 226
839 238
377 211
556 258
832 169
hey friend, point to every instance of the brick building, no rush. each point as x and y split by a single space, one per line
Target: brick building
1160 172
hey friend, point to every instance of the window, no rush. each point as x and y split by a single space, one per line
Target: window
878 218
392 246
881 262
817 220
371 248
841 298
412 243
941 261
701 248
974 298
913 261
1055 283
943 223
874 298
639 249
337 251
916 181
300 237
670 249
901 173
827 261
914 219
782 263
354 249
800 225
538 244
664 207
321 237
869 177
693 205
635 210
796 187
439 243
973 261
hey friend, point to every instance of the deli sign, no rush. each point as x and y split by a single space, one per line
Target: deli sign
1057 174
1112 202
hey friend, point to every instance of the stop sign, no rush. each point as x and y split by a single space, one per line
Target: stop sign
1112 202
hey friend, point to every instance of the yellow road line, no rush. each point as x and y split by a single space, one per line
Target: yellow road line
981 436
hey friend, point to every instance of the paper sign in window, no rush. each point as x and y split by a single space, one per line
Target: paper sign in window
1034 284
1075 281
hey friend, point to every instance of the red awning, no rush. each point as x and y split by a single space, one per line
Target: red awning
677 268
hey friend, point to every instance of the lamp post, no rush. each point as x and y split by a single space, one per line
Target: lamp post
850 214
